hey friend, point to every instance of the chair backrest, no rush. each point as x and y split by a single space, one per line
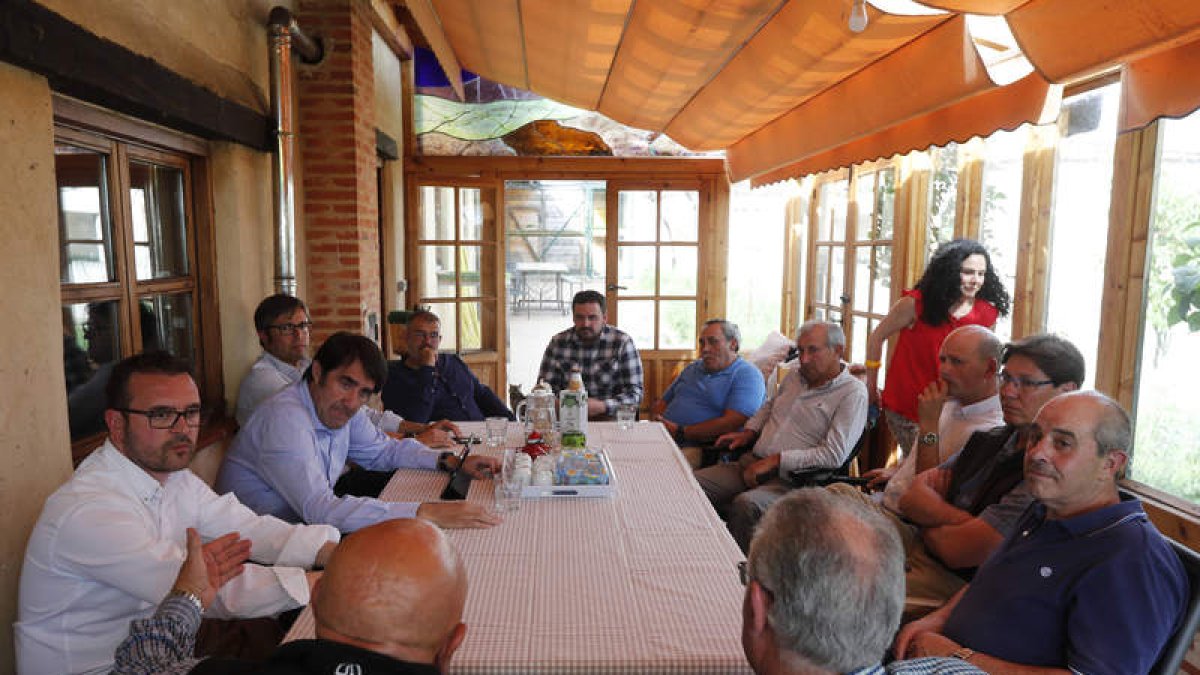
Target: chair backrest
818 477
1177 647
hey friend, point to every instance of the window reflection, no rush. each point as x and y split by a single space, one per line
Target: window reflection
91 347
156 199
85 229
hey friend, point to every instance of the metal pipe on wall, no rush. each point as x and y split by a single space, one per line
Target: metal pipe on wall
286 37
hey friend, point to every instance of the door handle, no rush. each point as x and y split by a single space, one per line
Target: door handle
845 299
614 287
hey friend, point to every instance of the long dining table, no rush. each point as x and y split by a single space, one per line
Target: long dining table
643 581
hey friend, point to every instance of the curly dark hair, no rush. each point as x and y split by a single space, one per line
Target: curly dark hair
940 286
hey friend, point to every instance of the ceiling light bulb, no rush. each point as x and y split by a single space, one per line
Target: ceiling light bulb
858 16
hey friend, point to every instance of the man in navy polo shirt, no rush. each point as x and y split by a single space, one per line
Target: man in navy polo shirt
1085 582
714 395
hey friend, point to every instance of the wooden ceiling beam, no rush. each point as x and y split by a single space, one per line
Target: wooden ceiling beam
425 15
383 19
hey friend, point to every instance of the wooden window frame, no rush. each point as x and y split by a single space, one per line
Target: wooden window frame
123 140
491 270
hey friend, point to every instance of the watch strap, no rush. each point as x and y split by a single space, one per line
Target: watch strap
188 595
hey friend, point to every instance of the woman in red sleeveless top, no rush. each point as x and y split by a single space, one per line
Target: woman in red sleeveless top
959 287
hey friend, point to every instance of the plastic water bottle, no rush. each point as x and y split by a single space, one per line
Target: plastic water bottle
573 411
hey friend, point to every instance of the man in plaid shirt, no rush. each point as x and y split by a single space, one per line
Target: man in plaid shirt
606 356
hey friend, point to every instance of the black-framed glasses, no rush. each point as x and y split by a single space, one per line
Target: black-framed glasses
1021 383
291 328
744 572
167 418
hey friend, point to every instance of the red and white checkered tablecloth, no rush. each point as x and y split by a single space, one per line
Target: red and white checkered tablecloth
642 582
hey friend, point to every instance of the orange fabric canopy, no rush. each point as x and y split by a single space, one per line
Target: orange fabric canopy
780 83
1151 87
1031 99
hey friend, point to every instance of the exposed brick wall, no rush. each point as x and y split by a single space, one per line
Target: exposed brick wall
337 146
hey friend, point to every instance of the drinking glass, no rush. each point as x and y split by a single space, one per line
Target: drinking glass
497 429
508 489
625 416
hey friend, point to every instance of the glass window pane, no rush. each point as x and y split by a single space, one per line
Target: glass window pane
471 338
858 339
837 273
821 292
156 197
167 325
83 213
437 213
943 198
91 347
881 298
1079 229
676 324
1167 437
678 265
638 219
831 224
471 213
885 205
1000 212
635 270
864 200
437 265
448 313
862 279
754 292
554 247
680 215
470 259
636 317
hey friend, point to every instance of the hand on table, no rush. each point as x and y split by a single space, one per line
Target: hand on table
482 466
458 515
436 438
446 425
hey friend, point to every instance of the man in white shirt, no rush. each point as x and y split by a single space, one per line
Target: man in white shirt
110 542
964 399
813 421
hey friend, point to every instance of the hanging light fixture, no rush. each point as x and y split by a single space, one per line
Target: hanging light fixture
858 16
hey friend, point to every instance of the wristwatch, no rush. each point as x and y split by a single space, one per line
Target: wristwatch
679 437
188 595
442 464
930 438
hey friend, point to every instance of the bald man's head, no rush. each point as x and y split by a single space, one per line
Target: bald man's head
397 588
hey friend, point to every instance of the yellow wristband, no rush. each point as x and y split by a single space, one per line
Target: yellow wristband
872 364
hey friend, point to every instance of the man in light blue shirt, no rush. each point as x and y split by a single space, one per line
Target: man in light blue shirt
714 395
288 457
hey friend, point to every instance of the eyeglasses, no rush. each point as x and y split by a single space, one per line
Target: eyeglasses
291 328
167 418
421 335
1021 383
744 572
